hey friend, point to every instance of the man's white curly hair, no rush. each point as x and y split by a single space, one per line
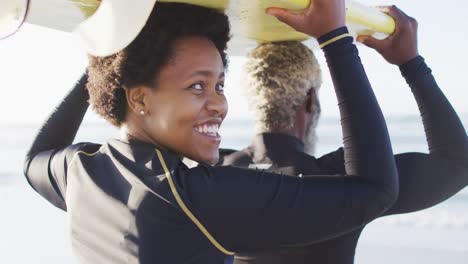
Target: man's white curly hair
279 76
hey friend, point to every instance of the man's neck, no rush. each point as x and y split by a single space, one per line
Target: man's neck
288 131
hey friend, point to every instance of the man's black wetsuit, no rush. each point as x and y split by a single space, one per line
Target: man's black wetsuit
131 202
425 179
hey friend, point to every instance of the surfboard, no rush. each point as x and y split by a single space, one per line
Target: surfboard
12 15
250 24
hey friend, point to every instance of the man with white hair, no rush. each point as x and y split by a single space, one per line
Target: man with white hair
282 88
283 81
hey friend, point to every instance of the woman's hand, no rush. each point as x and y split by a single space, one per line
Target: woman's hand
321 17
402 45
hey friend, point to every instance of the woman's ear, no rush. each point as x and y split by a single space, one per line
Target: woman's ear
136 99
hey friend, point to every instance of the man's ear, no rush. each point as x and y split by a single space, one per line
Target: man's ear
136 98
309 103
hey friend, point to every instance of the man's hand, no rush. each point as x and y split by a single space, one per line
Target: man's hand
402 45
321 17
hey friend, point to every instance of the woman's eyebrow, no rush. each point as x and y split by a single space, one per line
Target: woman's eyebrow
205 73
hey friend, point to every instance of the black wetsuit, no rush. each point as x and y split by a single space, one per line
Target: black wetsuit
130 202
425 179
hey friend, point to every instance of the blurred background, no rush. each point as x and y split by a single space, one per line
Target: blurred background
38 66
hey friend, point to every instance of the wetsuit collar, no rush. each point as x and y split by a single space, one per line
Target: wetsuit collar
272 144
144 152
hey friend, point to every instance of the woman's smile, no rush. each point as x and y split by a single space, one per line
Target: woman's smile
209 130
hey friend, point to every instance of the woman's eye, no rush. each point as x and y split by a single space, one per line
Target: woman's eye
197 86
220 87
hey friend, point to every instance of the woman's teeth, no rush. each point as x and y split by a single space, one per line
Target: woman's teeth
207 129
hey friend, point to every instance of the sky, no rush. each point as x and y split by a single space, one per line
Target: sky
38 66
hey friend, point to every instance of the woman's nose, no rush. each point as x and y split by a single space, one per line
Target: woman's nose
217 104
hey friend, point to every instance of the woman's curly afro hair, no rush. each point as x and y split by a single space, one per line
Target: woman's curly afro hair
140 62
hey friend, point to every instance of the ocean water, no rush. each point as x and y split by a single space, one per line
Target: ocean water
34 231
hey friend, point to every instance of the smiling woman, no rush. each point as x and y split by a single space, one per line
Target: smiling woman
133 200
191 93
186 93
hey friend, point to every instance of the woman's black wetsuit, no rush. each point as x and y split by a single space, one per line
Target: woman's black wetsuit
130 202
425 179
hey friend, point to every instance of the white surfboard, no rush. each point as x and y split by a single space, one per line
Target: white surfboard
250 24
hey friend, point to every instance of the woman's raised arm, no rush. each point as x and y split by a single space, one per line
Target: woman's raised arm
54 139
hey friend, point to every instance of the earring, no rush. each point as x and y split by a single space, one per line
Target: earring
142 112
